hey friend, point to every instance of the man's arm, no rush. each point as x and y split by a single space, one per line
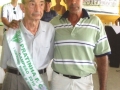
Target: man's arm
5 21
102 67
13 24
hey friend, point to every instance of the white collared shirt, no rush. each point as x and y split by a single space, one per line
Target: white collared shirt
40 46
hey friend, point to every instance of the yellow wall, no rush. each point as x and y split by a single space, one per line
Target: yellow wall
108 18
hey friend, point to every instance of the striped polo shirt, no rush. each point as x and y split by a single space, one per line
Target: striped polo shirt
77 46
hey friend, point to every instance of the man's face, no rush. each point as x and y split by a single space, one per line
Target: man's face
33 9
47 5
74 6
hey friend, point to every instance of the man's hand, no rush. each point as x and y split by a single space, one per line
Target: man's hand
14 24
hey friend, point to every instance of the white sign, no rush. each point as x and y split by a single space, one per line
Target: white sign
102 6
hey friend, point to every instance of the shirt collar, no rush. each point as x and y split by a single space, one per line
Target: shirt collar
85 14
40 28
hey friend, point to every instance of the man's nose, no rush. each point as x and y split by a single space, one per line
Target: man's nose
73 1
37 7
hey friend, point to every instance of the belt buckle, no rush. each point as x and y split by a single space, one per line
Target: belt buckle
42 71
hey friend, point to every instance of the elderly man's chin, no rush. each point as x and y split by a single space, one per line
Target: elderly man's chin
74 12
37 18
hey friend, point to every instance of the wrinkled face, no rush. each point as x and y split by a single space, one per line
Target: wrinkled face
74 6
33 9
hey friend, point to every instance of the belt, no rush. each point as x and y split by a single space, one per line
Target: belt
69 76
15 71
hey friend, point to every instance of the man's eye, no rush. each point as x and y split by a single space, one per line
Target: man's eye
41 4
32 4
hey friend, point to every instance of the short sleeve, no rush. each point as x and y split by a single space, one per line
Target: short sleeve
102 46
4 12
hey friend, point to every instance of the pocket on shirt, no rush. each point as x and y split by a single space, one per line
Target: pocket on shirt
45 49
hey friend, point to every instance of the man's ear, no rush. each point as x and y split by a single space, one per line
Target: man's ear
22 7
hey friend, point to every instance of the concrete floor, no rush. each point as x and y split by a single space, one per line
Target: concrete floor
113 82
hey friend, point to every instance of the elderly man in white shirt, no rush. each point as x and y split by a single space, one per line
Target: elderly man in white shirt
39 40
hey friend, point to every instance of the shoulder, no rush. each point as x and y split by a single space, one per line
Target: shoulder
46 25
18 7
11 31
95 19
19 4
47 28
55 20
53 12
7 5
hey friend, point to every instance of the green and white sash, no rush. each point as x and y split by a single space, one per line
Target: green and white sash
24 61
